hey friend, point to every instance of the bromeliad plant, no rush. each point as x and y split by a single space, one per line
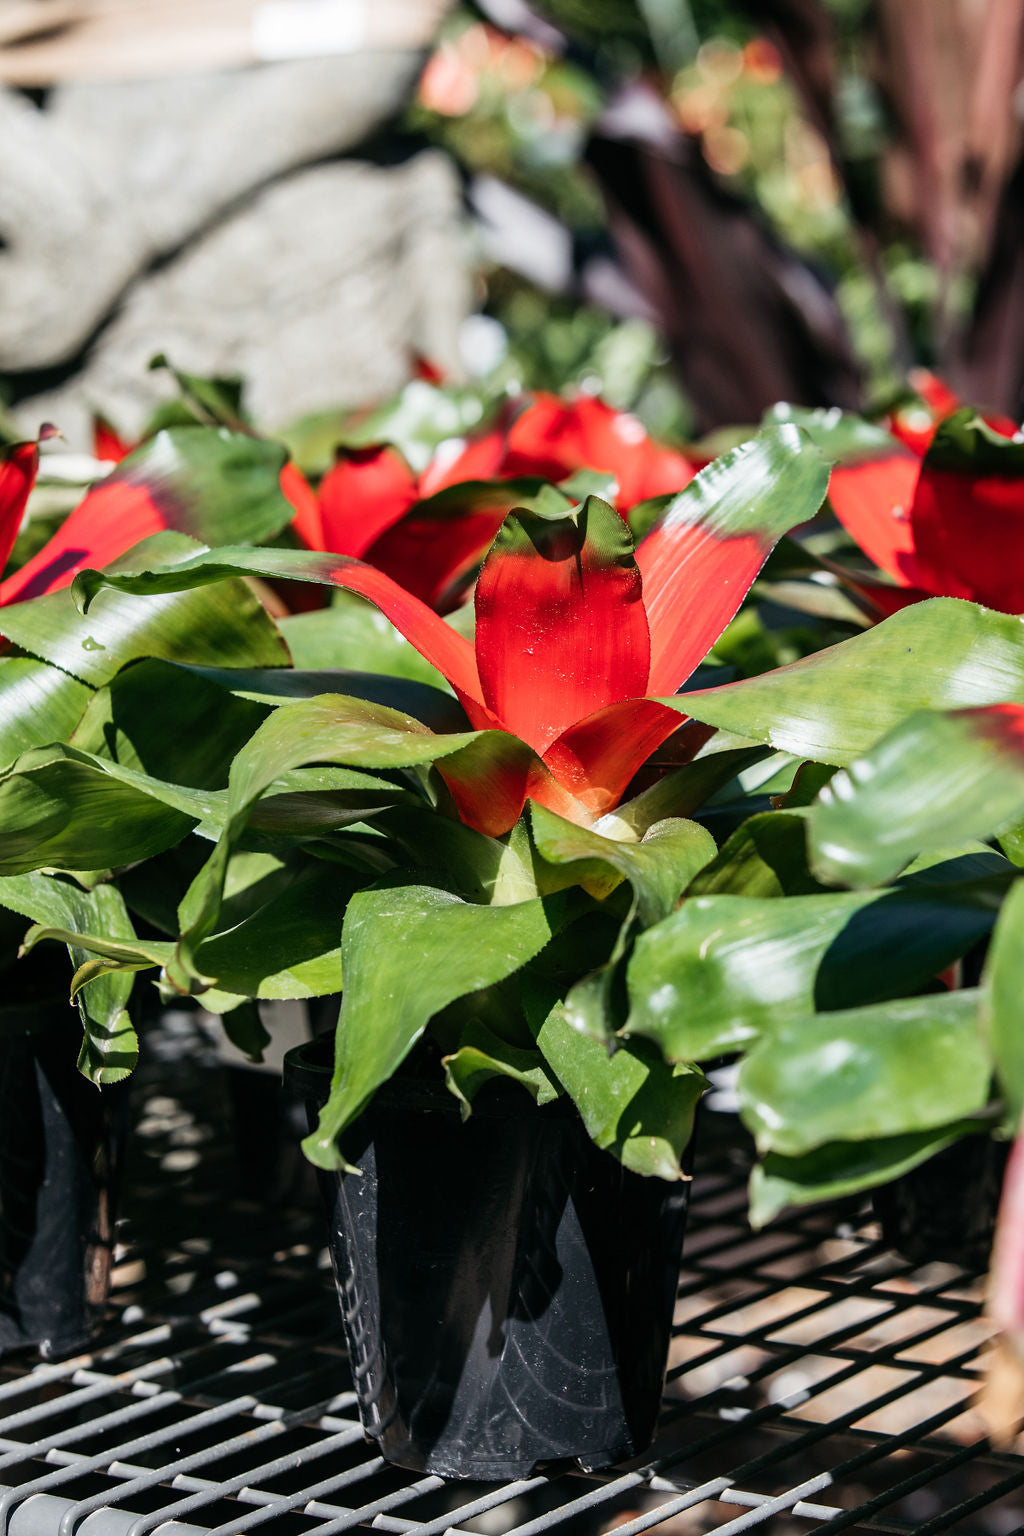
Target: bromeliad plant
417 838
944 521
507 903
508 882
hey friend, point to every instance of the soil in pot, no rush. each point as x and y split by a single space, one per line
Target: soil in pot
506 1288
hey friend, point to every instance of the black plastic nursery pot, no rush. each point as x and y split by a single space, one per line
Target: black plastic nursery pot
61 1142
946 1208
506 1288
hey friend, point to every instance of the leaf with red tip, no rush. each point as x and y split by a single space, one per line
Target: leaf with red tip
480 459
545 440
445 649
208 482
596 758
366 491
556 438
435 549
872 501
18 465
107 443
700 558
968 515
561 628
307 521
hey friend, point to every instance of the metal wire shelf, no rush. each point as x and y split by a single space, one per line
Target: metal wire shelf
816 1382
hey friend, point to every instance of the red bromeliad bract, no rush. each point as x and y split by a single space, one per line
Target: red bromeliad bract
373 506
948 525
577 634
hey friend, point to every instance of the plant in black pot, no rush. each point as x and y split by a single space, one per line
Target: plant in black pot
60 1139
494 882
507 1158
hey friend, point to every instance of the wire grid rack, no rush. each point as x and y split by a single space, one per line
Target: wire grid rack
816 1380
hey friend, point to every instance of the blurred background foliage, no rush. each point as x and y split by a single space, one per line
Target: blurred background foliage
843 135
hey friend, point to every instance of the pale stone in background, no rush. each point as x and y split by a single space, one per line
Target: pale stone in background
213 218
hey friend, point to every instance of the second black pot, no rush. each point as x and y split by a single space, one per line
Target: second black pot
506 1288
61 1142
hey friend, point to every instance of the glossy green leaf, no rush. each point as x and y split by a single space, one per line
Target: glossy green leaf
407 952
326 730
1003 1002
189 739
840 435
840 1168
658 867
632 1102
353 633
909 1065
64 809
766 856
39 704
224 627
110 1047
934 779
835 705
722 969
484 1056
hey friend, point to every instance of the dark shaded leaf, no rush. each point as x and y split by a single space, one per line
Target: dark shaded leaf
839 1168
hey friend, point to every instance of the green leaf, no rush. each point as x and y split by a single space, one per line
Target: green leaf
766 856
679 793
965 444
407 952
216 485
935 779
834 706
288 946
484 1056
484 869
632 1103
898 1067
64 809
189 739
226 627
840 1168
1002 998
722 969
282 685
211 400
839 435
246 1031
330 729
110 1047
353 633
658 867
38 705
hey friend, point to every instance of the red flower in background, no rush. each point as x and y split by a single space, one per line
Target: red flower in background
372 506
947 521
